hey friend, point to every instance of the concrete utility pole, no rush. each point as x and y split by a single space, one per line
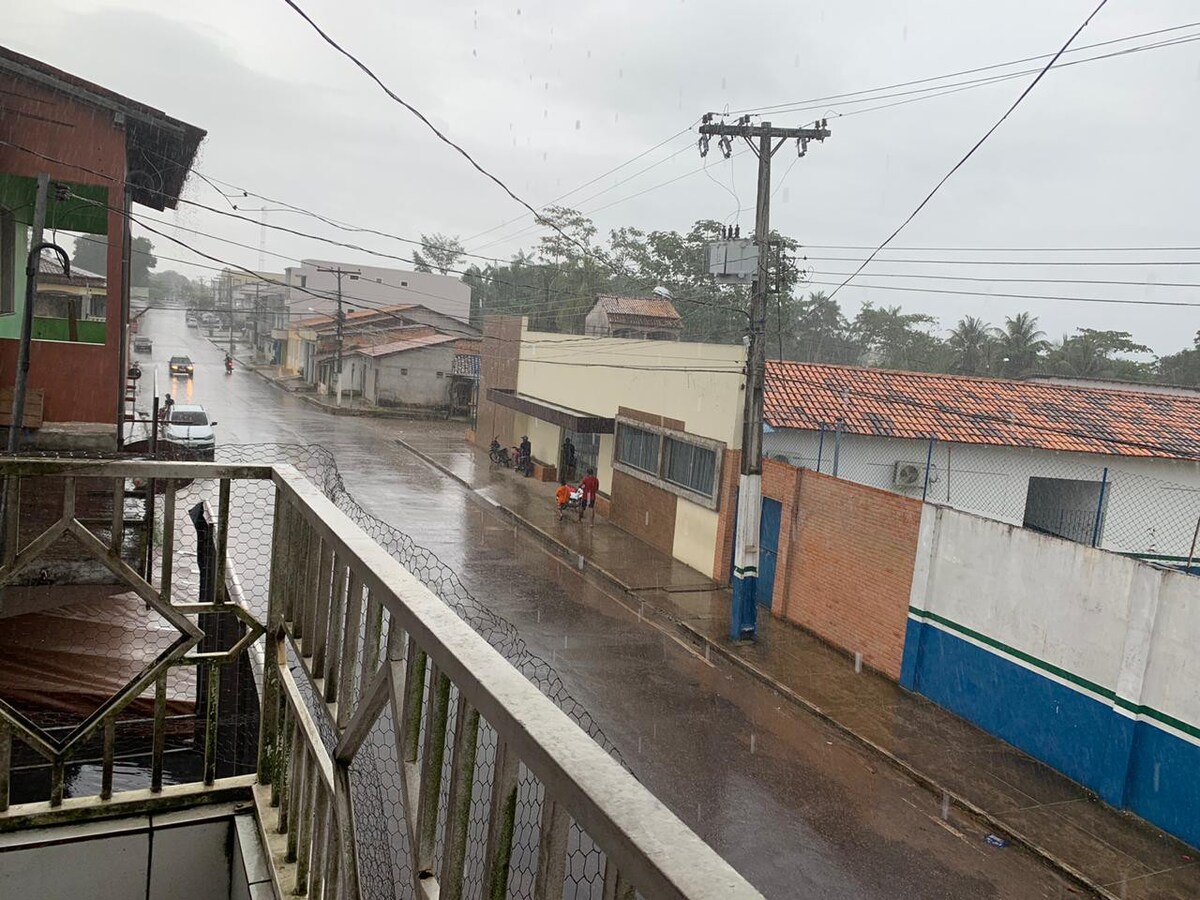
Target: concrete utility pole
341 317
764 140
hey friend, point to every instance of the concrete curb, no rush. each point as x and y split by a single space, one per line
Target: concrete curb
663 620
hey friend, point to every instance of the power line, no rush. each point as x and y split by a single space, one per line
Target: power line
979 249
998 280
1013 262
599 177
1002 296
790 106
971 152
421 116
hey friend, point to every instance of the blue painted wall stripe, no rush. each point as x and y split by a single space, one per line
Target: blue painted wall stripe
1130 763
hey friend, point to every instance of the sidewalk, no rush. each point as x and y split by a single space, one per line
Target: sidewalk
1115 854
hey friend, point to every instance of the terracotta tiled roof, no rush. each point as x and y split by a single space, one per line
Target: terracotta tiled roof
981 410
655 311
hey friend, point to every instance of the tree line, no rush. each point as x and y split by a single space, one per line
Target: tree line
556 281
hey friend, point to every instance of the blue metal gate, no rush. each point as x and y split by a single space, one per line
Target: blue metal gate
768 549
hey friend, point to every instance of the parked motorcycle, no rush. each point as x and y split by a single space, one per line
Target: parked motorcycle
499 455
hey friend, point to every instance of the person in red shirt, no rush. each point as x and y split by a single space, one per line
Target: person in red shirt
591 486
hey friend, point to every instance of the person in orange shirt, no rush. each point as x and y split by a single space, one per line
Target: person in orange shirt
563 496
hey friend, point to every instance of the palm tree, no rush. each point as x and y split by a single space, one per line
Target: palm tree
971 342
1022 344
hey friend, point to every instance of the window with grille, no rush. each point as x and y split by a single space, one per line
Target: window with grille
690 466
638 448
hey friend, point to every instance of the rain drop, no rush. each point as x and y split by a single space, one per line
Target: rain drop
589 54
475 53
543 160
547 86
722 82
620 73
786 194
518 10
577 124
545 113
796 63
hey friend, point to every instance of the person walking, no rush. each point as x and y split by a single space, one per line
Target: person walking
563 497
591 487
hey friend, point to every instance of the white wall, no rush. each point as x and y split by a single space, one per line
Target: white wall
695 536
409 378
1085 659
597 375
1152 504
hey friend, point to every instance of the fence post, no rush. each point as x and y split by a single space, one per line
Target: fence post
820 446
928 465
1100 507
837 446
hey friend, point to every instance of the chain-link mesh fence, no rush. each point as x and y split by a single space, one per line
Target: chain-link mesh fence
1134 505
386 866
132 641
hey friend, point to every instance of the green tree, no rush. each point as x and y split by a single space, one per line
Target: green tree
1182 367
1093 354
439 253
893 339
822 332
91 254
972 343
1021 345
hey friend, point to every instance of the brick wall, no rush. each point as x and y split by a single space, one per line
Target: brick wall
845 563
849 565
645 511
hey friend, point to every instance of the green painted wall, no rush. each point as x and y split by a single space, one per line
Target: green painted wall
76 215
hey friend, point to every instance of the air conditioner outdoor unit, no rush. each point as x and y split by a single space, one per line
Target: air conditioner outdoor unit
908 474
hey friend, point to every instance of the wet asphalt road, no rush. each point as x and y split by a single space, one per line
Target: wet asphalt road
798 808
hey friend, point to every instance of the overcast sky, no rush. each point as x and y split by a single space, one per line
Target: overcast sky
549 95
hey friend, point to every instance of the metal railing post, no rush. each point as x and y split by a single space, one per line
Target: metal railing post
1100 508
928 466
820 446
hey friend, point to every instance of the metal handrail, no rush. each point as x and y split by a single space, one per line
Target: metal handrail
370 638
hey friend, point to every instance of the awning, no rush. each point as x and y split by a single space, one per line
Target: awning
570 419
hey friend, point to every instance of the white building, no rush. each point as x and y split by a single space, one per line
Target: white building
372 287
1119 469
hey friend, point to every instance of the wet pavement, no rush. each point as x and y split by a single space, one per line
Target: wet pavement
798 806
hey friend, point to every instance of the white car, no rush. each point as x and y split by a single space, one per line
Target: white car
190 431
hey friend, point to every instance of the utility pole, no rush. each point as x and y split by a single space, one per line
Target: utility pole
229 290
764 140
341 317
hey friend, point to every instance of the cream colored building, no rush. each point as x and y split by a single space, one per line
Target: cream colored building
655 419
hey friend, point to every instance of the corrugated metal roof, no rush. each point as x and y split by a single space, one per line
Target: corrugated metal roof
356 316
414 343
972 410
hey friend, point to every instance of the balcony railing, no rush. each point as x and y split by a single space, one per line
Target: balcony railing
398 753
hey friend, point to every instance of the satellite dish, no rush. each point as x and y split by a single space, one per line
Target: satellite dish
663 292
